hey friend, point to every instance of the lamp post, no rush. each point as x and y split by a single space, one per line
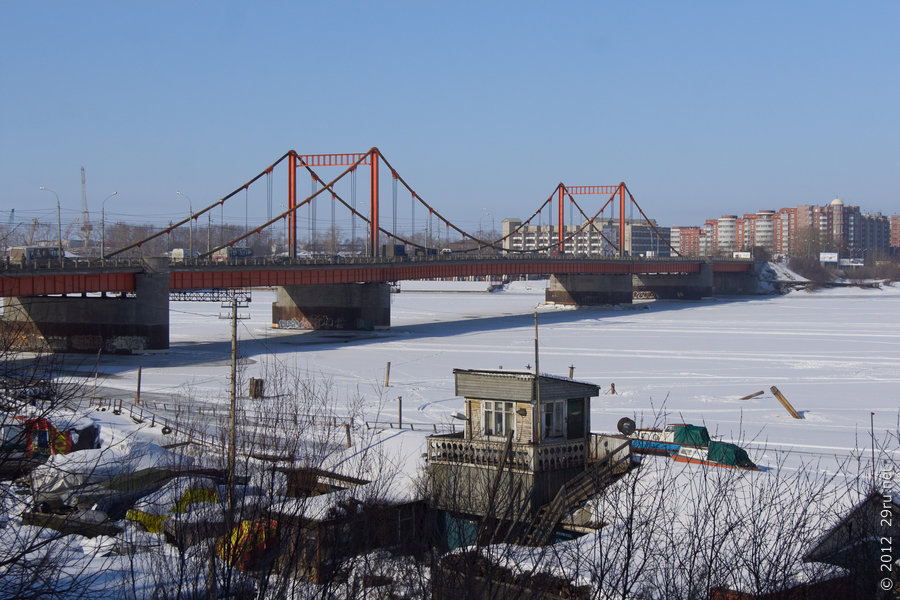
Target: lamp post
103 228
190 226
486 213
58 225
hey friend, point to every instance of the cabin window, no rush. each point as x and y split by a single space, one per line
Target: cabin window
575 419
554 419
498 418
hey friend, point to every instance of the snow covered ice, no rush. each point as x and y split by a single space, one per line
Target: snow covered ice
835 354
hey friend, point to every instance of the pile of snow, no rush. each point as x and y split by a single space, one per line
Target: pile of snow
774 275
531 286
780 273
445 286
66 474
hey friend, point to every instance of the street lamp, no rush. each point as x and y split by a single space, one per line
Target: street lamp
486 213
190 226
103 228
58 225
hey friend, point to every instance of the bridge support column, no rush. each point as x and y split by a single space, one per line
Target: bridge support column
111 324
737 283
364 306
691 286
588 290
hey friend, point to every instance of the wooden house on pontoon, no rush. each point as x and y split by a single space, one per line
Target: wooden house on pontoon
526 457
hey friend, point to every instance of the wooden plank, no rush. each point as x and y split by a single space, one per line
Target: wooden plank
785 403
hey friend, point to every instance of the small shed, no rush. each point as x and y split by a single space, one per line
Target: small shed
536 409
526 440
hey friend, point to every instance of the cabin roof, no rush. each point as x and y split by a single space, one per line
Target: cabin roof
859 525
518 386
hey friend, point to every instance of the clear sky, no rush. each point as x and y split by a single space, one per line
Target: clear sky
702 108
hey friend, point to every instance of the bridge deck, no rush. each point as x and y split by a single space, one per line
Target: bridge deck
82 276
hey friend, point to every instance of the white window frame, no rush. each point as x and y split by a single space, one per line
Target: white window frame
498 417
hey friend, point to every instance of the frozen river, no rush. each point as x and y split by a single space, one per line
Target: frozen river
835 354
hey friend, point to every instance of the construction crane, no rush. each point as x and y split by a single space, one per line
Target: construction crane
85 217
34 226
69 228
9 230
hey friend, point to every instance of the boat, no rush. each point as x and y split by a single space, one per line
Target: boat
663 442
716 454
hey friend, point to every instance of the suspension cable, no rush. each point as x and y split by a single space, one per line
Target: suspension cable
219 202
650 223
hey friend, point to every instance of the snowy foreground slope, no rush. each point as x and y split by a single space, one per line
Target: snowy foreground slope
835 354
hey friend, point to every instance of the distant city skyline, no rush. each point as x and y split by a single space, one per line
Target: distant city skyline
702 109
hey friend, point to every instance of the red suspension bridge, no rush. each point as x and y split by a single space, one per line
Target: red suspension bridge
129 270
370 220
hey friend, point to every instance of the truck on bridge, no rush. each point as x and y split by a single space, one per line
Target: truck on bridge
23 254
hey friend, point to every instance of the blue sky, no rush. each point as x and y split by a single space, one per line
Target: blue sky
702 108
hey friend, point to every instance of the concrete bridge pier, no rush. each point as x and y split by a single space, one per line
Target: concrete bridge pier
738 282
364 306
112 324
587 290
691 286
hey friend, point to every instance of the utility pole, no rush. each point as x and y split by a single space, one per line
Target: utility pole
232 417
537 381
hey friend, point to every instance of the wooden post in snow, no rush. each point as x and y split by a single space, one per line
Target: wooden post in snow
793 412
137 397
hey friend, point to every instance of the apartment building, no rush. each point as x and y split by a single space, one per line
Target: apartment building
599 239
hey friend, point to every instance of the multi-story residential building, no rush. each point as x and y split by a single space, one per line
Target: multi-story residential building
686 240
756 229
726 234
875 233
709 240
601 239
768 229
785 231
895 231
835 222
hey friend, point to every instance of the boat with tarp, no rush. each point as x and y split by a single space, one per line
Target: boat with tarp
716 454
662 442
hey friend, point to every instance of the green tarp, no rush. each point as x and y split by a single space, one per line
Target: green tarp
691 434
729 454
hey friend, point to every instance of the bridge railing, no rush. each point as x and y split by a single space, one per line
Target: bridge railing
66 264
55 264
